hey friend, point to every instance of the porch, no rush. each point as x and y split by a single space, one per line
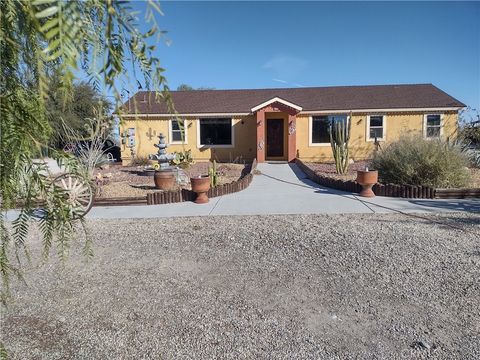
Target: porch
276 130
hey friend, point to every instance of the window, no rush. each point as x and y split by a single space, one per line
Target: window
216 132
433 126
176 131
319 132
375 127
319 128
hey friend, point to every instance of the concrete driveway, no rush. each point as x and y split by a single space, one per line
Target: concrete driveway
284 189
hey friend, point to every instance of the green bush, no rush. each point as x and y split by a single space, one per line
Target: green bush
413 160
139 161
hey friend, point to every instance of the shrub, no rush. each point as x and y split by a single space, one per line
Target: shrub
139 161
413 160
471 134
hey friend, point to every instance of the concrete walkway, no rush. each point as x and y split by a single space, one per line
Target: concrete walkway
284 189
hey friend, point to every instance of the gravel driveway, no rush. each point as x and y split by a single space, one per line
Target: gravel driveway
291 287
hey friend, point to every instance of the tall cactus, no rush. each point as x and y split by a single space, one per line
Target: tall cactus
339 137
212 172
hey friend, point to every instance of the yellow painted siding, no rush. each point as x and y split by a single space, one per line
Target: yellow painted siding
396 125
244 134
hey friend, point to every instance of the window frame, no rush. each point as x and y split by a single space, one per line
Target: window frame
384 128
310 129
170 133
225 146
425 119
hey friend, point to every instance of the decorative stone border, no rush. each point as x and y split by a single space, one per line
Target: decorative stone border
392 190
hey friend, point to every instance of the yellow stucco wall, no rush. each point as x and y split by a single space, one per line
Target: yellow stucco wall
396 125
244 134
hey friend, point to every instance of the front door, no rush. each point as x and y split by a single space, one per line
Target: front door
274 137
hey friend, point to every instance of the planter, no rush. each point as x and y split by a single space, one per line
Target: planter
147 172
201 185
367 179
164 179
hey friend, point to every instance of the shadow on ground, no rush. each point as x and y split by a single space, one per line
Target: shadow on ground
467 205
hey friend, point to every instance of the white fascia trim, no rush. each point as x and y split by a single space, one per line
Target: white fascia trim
185 115
170 136
200 146
321 112
310 127
312 112
384 128
274 100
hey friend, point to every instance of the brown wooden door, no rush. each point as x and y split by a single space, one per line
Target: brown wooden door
274 137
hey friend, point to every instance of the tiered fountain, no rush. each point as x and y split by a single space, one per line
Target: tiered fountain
164 176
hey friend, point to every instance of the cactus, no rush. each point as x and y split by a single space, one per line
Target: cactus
339 137
212 173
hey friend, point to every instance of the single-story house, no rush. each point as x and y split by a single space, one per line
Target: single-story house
282 124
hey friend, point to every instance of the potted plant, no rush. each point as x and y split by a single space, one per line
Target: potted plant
201 185
164 179
367 178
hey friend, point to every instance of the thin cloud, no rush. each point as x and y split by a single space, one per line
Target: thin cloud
285 66
288 83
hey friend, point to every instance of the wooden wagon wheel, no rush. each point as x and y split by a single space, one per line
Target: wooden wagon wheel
79 192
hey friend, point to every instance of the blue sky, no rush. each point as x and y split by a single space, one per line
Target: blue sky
287 44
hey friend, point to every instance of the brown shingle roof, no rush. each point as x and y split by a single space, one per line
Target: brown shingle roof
310 99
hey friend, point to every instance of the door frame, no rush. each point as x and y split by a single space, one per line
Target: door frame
283 140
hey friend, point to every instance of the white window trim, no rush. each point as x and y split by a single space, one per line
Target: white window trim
425 126
201 146
384 126
310 127
170 135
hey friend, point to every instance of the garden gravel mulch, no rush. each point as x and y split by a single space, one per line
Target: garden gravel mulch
328 169
277 287
125 181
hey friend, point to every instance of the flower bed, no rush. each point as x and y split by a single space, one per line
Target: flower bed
126 185
118 181
324 174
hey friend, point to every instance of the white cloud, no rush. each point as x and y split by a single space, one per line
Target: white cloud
285 66
280 81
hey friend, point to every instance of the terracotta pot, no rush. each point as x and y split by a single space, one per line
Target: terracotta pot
164 179
367 179
201 185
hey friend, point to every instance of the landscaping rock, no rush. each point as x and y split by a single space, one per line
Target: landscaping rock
255 287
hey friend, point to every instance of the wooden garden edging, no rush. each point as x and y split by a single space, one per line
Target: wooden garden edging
392 190
457 193
167 197
138 200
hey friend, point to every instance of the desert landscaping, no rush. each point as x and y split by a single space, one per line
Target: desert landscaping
296 286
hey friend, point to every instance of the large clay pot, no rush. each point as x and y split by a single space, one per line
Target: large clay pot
367 178
164 179
201 185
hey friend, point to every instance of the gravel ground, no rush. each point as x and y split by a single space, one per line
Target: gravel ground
328 169
291 287
124 181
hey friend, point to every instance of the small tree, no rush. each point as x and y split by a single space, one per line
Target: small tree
69 111
37 39
339 131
